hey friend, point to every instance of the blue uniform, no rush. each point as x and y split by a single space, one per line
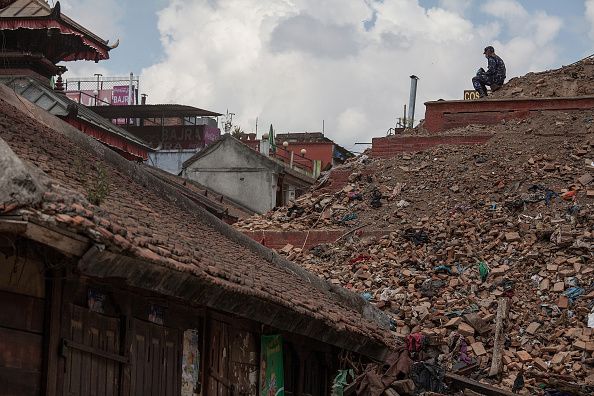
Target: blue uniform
495 75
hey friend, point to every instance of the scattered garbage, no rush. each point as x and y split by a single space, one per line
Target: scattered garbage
342 379
483 270
420 252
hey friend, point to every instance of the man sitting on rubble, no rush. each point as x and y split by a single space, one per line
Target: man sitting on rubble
493 77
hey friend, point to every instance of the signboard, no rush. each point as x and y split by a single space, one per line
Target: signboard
271 366
176 137
191 364
211 134
471 95
96 301
87 97
119 95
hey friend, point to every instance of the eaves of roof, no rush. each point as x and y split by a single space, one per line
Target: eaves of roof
58 104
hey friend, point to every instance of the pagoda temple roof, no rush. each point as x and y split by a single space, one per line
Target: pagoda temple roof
38 15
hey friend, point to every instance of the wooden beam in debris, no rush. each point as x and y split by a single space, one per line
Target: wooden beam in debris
13 226
65 242
502 312
459 382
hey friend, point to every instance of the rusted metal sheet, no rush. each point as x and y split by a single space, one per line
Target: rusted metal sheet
134 151
89 373
155 359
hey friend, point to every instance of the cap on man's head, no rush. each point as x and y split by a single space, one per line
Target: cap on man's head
489 49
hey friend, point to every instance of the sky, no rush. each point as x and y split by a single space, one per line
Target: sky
298 64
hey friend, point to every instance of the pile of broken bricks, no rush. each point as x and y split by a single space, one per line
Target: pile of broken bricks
466 227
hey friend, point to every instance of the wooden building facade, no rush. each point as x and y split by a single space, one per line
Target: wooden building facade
66 334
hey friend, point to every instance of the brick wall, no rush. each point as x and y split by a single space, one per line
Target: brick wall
444 115
391 145
279 239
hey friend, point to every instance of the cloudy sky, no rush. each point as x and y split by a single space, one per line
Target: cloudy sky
294 63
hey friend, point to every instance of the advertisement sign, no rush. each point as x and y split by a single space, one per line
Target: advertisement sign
211 134
87 97
191 364
96 301
119 95
271 366
471 95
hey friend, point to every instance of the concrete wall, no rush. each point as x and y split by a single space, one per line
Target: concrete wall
230 170
170 160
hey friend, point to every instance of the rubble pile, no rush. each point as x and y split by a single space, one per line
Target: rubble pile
467 227
573 80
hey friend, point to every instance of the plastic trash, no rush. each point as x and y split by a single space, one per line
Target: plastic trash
341 381
573 293
483 270
443 269
349 217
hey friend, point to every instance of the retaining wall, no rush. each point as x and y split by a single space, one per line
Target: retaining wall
279 239
447 114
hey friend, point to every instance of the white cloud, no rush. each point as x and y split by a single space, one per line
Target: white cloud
102 17
530 45
294 63
458 6
508 9
589 4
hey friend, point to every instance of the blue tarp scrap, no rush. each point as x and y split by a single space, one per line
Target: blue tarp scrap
573 293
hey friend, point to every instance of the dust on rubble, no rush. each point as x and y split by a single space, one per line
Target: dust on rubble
465 226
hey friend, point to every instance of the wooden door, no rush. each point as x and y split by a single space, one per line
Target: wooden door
21 344
91 347
218 360
155 360
244 363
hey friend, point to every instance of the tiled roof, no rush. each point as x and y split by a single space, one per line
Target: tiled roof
214 202
40 9
143 219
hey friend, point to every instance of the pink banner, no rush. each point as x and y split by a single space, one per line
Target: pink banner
87 97
211 134
119 95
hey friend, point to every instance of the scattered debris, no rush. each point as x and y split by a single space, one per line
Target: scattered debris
439 262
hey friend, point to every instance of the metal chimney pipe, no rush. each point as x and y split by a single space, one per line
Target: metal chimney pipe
130 89
413 99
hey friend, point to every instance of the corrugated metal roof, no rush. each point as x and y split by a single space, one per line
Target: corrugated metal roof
57 104
152 111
